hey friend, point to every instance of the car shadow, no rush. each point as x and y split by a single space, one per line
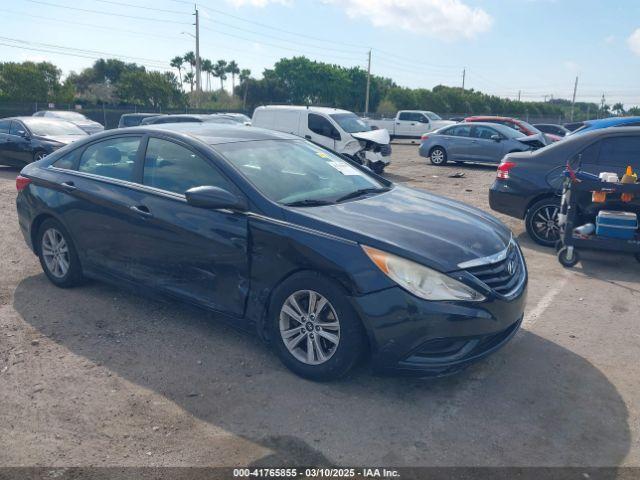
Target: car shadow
532 403
9 173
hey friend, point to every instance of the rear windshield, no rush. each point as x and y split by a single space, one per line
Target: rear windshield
43 127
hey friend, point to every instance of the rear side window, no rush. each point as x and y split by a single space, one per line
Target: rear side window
4 126
174 168
113 158
619 151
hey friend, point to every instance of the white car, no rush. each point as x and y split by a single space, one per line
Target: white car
79 120
339 130
410 123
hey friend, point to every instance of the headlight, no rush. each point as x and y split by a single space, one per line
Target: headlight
422 281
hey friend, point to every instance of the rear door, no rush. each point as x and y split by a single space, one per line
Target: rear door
195 253
458 142
484 148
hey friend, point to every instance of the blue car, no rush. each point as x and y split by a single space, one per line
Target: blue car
318 255
591 125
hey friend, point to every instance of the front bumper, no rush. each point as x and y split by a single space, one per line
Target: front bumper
412 336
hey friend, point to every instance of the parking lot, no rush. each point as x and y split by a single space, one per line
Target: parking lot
97 376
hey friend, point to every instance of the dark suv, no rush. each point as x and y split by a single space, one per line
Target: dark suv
528 184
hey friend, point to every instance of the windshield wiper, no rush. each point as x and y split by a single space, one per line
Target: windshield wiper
309 202
360 192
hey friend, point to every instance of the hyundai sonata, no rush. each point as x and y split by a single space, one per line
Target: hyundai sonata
324 259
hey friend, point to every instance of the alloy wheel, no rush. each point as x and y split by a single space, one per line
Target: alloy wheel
39 156
309 327
437 156
545 223
55 252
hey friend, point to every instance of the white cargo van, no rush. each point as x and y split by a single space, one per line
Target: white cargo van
339 130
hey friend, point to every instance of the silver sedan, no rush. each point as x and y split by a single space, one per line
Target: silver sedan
475 142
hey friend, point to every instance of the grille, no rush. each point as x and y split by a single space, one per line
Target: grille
498 276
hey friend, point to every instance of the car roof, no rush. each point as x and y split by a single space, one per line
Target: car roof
612 121
496 126
141 114
489 118
217 133
326 110
36 119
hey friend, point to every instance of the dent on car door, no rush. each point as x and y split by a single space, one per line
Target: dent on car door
196 253
98 212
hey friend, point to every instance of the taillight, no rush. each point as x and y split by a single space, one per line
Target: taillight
503 170
424 137
22 182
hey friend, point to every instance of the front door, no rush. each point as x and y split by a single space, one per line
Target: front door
485 148
321 131
195 253
19 147
5 126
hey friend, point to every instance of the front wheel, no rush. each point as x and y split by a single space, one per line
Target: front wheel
541 222
568 257
438 156
377 167
313 328
39 156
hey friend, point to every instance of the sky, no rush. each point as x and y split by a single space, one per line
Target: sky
531 48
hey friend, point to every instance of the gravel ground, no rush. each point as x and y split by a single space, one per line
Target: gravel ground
95 376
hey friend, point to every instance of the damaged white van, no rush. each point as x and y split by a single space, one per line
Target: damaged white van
339 130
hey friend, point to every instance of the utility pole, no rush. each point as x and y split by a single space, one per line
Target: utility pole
198 82
603 102
366 100
573 101
464 76
519 93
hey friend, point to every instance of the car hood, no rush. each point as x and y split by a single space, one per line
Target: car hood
380 136
65 139
538 137
432 230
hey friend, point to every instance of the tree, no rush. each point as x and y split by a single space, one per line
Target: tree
220 71
234 70
634 111
190 58
618 109
29 81
158 89
190 78
207 67
244 75
177 62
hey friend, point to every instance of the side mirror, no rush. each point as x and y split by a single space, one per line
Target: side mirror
496 138
214 198
24 134
424 120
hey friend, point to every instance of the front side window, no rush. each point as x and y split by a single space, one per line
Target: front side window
5 125
17 129
174 168
320 125
113 158
483 132
289 172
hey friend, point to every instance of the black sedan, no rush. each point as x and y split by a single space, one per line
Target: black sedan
321 257
27 139
529 185
184 118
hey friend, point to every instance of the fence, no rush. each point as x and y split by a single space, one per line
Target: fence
557 119
107 115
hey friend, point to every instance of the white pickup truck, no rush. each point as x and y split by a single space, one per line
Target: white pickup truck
409 123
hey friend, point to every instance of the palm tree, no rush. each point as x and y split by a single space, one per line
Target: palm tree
233 69
207 67
245 74
220 70
618 108
190 77
177 62
190 58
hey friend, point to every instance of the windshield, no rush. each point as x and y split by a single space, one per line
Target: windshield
43 127
531 128
433 116
296 171
71 116
350 122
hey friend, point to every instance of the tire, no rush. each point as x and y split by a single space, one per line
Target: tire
558 245
58 256
564 260
438 156
538 218
39 155
377 167
334 351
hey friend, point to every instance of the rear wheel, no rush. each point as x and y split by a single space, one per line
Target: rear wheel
58 255
377 167
541 222
313 328
438 156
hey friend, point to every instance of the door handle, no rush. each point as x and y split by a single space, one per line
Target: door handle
69 186
141 210
308 137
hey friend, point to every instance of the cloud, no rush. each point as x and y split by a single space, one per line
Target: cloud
634 41
446 19
609 39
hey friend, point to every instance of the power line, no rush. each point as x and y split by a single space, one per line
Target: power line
124 4
87 10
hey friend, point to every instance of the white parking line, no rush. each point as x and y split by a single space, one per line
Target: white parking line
531 317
